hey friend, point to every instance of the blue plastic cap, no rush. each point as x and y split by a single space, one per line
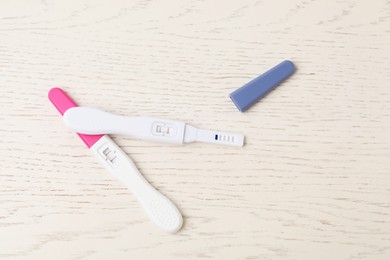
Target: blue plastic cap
254 90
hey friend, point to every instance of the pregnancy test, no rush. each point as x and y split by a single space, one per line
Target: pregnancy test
159 208
93 121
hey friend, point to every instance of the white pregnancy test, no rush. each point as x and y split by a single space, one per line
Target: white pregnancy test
158 207
93 121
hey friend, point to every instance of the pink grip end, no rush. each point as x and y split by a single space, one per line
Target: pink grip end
63 102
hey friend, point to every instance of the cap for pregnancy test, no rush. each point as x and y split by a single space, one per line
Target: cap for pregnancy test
254 90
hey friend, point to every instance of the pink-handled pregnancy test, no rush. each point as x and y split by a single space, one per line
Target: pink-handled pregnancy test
158 207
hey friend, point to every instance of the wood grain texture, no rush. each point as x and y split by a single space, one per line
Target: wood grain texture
312 182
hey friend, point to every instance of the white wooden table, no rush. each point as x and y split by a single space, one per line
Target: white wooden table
312 182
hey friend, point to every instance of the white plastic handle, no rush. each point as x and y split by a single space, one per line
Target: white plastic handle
92 121
158 207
